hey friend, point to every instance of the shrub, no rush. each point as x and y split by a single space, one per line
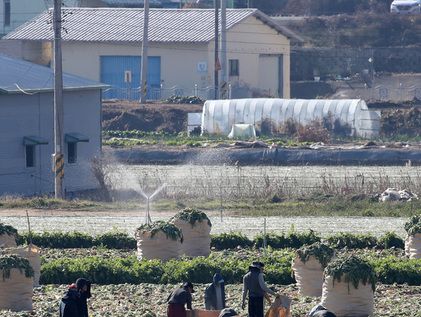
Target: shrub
115 240
352 241
230 241
197 270
392 270
59 240
313 132
292 239
391 240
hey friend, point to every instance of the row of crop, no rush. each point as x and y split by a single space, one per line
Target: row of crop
119 240
101 270
66 240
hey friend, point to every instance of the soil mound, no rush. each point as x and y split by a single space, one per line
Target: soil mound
129 115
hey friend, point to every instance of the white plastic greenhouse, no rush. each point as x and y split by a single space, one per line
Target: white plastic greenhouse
219 116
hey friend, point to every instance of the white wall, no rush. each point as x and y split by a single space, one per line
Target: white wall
32 115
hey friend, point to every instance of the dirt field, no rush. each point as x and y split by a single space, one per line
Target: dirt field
126 115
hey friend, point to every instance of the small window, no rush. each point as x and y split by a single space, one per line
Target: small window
234 67
6 19
71 152
30 155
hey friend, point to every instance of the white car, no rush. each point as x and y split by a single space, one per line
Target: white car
406 6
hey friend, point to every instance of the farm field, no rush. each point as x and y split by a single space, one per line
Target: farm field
230 182
126 300
250 226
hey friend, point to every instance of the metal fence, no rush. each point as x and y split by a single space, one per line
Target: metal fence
162 93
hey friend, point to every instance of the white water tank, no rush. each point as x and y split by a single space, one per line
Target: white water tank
219 116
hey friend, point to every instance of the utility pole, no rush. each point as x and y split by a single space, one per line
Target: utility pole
58 158
217 66
144 66
224 77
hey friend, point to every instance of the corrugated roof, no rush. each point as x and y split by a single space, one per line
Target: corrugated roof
19 76
126 25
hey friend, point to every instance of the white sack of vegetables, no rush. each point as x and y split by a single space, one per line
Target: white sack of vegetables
16 283
308 266
7 236
413 238
348 288
32 254
159 240
195 226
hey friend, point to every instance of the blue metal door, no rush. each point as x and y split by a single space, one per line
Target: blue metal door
122 73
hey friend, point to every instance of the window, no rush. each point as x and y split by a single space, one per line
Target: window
30 155
6 20
71 152
234 67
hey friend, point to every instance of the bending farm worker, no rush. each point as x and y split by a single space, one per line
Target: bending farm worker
320 311
215 293
74 302
178 298
255 286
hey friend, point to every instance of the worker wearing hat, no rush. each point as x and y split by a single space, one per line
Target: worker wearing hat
215 293
178 298
255 286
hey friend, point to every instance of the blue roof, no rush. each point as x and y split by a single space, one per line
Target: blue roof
19 76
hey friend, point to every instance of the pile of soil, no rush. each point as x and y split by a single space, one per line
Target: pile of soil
131 115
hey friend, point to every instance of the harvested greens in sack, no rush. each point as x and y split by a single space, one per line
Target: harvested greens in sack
195 227
348 288
308 266
7 236
413 238
32 254
159 240
16 283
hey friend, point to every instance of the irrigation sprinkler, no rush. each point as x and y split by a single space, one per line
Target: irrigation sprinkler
148 198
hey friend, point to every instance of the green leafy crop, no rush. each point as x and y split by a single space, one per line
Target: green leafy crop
320 251
8 262
413 226
170 230
353 269
192 216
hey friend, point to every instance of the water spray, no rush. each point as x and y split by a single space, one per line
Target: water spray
148 198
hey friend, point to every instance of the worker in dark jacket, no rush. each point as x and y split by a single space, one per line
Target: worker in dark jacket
178 298
74 302
84 287
215 293
255 286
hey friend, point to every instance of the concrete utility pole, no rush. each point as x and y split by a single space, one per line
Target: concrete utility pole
217 66
224 77
58 158
144 67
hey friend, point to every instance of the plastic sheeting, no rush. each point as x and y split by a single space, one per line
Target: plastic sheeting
242 131
16 292
156 247
413 246
219 116
344 300
196 238
309 276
